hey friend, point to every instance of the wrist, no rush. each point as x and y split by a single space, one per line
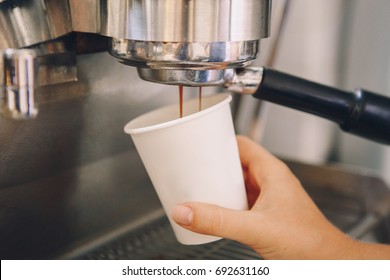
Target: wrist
370 251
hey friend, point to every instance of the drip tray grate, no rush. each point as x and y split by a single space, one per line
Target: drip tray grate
358 204
156 240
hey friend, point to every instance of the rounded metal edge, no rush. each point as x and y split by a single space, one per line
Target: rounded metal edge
185 77
245 81
180 55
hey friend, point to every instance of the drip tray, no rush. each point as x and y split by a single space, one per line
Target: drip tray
355 201
156 240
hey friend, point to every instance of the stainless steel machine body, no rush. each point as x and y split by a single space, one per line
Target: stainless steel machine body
36 25
26 23
188 42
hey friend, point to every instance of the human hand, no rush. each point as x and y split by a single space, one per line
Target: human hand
282 223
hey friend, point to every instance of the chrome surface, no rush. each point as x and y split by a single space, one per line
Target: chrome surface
174 20
57 61
86 15
185 35
246 81
166 34
18 83
184 55
186 20
184 77
23 71
25 23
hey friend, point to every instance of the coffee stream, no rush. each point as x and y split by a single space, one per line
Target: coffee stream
200 99
181 100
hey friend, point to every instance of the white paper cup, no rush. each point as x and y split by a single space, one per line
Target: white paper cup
194 158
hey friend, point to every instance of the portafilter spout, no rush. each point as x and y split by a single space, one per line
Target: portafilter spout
186 42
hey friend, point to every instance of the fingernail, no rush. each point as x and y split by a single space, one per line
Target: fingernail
182 215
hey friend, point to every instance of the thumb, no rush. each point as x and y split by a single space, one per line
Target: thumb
214 220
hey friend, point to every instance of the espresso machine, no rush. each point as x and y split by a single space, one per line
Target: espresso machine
66 190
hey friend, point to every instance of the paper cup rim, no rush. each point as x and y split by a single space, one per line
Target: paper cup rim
132 131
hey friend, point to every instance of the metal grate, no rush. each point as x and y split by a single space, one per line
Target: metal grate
358 205
156 240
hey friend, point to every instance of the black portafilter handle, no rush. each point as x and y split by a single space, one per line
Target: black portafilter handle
363 113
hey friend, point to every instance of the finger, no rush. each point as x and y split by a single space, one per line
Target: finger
259 162
252 194
214 220
250 152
